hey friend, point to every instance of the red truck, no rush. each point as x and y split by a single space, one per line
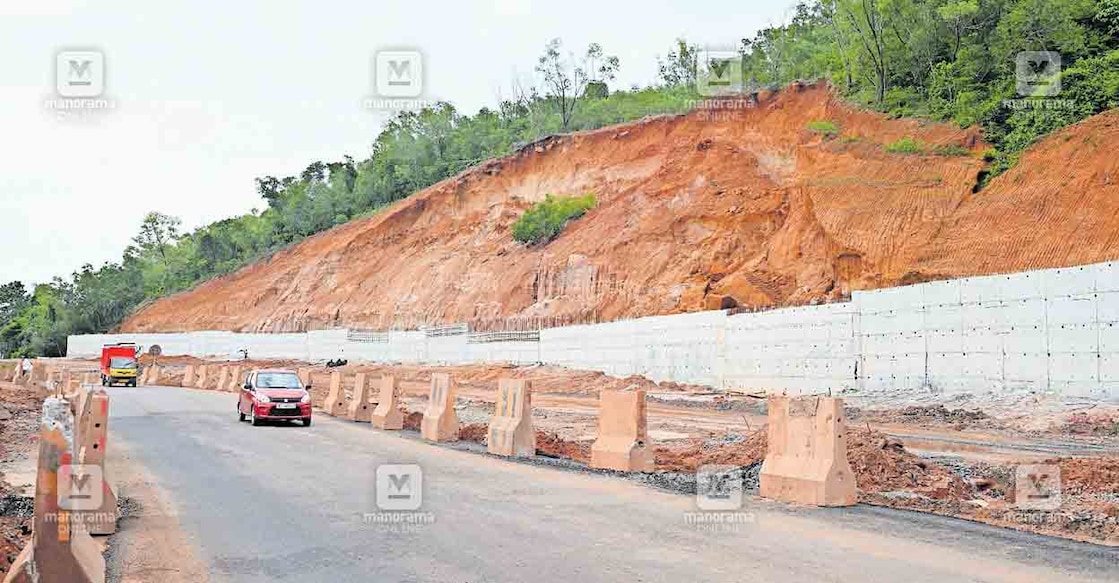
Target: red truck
118 364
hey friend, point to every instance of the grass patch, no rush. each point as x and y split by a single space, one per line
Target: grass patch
906 145
827 128
544 220
953 150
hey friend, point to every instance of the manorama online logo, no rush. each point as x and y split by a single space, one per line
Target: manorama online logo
719 498
1038 82
399 497
79 84
398 81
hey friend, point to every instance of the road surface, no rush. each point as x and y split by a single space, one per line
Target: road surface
293 503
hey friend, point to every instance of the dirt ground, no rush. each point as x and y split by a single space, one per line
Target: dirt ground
20 407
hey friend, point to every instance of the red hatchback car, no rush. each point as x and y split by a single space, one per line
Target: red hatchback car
274 394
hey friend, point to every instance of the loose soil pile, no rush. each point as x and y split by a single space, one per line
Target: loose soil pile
16 510
929 416
20 409
552 445
730 449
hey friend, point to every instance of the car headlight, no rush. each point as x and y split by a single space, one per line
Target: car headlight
306 398
263 398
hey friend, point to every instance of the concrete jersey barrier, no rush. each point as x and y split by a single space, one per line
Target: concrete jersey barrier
335 403
93 432
511 433
622 442
806 457
387 415
188 376
440 423
359 409
200 378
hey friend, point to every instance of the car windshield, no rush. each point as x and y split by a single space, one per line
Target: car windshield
278 380
122 362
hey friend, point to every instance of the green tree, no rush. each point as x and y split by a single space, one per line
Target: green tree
565 78
678 69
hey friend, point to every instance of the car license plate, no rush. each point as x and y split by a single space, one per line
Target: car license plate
285 406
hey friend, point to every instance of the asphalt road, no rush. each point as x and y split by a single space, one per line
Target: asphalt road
293 503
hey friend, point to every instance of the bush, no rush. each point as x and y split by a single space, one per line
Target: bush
906 145
827 128
544 220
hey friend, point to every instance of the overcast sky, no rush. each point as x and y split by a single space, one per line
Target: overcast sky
209 95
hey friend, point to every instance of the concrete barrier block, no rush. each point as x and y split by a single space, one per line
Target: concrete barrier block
304 376
60 549
188 376
93 433
440 422
235 381
623 440
335 403
200 377
511 432
222 378
387 415
359 409
806 459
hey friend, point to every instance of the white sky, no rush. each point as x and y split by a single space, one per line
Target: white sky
210 95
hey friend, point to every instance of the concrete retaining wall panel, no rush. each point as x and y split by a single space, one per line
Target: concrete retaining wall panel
1107 306
1109 337
941 294
1025 340
1078 280
1074 367
1019 286
1106 276
1071 310
1028 313
1074 339
1032 368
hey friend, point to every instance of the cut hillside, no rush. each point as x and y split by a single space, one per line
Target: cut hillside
747 203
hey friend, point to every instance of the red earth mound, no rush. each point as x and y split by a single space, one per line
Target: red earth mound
691 209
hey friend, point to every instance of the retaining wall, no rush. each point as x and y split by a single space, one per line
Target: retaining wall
1054 330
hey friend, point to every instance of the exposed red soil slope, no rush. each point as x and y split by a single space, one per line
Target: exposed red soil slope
752 205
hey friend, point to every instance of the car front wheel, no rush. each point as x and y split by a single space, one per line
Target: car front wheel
252 416
307 422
